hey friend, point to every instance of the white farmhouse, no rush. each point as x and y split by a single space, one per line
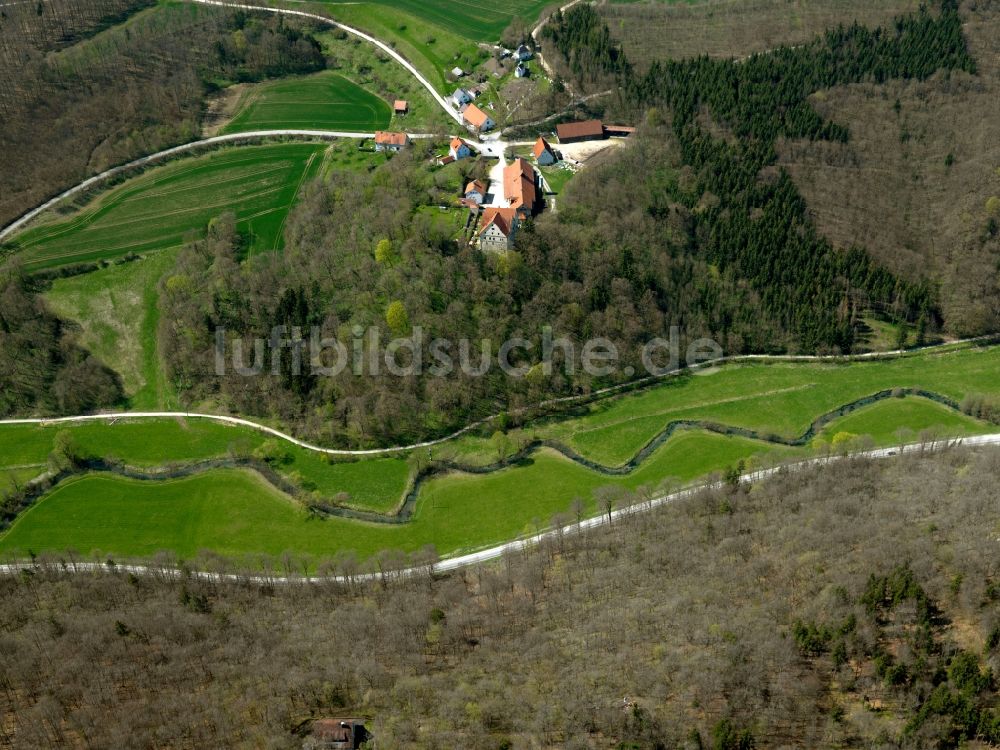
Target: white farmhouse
499 228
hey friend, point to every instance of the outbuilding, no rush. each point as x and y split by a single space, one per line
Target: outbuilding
585 130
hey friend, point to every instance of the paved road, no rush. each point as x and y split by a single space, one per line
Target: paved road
493 553
223 419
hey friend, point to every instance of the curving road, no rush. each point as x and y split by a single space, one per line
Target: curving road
160 155
452 113
456 116
239 421
495 552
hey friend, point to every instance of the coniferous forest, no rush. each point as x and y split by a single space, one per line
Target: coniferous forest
756 223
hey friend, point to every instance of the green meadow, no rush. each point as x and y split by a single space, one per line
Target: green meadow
160 208
429 46
778 398
116 311
233 512
374 484
478 20
322 101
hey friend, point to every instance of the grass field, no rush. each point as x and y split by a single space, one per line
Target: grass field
322 101
374 71
556 177
775 398
116 310
158 209
373 484
431 48
235 514
478 20
458 511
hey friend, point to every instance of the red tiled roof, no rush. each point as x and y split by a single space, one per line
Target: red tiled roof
475 116
541 146
331 730
400 105
519 184
504 219
388 138
477 185
584 129
457 143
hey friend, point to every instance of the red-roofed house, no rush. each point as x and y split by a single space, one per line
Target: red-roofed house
499 225
389 141
478 119
475 191
543 153
519 187
459 149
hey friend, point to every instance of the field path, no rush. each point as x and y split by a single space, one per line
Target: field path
541 57
15 225
452 113
495 552
193 145
604 392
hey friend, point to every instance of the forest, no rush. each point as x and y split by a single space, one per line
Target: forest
727 115
364 249
110 92
776 615
691 225
41 370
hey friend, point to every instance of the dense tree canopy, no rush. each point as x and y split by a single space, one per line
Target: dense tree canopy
41 369
756 223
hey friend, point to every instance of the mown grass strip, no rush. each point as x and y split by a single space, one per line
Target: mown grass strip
160 208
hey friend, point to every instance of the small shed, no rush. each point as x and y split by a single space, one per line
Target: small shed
401 106
619 131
